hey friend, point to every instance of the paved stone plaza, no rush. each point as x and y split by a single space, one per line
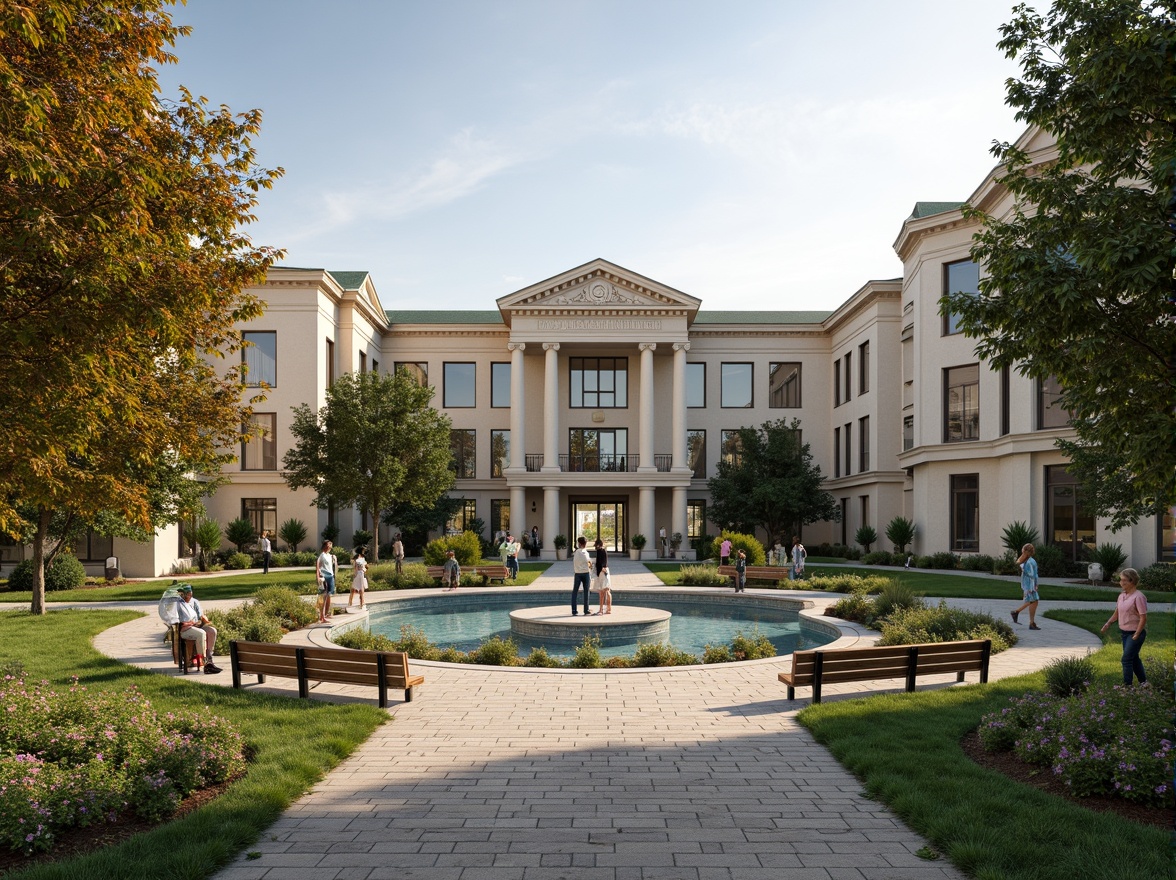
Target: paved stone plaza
696 773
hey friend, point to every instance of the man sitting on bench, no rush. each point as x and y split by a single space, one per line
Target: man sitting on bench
194 626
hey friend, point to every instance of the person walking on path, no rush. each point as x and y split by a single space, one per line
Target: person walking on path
582 572
1028 586
799 555
358 579
1131 612
740 572
266 552
398 554
324 571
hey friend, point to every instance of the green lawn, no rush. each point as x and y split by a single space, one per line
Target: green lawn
295 741
905 750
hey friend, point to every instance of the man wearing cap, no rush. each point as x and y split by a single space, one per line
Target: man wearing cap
194 627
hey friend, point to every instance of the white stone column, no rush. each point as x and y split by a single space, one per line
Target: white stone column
551 407
678 517
550 521
645 521
518 510
518 410
645 447
678 447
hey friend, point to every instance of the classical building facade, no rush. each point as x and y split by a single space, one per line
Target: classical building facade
601 400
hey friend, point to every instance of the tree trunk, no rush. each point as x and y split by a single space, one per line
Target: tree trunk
43 517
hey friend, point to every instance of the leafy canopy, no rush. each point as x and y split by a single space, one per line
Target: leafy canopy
376 442
123 270
770 483
1081 272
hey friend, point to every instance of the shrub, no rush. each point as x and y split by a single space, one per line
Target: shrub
702 576
878 557
240 531
924 562
1006 565
901 532
237 561
451 655
900 559
1052 562
293 532
361 538
63 573
857 607
1110 556
466 547
895 597
944 560
413 642
285 606
331 533
415 574
702 546
362 640
716 654
912 626
587 655
496 651
752 647
539 658
1017 534
1159 576
207 535
661 654
977 562
756 555
848 583
866 535
1067 676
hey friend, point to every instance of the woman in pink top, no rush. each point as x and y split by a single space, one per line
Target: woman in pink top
1131 612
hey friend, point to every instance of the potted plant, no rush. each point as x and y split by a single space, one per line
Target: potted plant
675 543
560 542
636 545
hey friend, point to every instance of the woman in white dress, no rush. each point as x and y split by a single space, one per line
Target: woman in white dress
358 579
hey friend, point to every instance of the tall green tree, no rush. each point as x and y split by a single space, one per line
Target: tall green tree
1081 272
770 482
377 442
123 270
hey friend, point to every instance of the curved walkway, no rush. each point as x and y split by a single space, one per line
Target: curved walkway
694 773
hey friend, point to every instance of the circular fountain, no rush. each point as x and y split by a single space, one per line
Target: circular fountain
557 624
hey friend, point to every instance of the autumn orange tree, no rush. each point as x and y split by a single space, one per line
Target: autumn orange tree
123 270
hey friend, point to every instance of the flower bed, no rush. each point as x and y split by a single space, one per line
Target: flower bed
77 758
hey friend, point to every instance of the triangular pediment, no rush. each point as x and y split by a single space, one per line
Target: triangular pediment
597 286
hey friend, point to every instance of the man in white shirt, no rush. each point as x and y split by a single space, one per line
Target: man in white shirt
582 566
194 627
266 552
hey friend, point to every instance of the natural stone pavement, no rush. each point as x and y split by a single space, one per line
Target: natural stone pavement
695 773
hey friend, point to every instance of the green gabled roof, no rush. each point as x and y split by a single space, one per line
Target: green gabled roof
705 317
443 316
348 280
926 209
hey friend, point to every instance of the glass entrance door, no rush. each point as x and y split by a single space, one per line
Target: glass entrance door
600 519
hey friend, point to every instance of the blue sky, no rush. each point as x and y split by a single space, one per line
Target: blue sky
757 155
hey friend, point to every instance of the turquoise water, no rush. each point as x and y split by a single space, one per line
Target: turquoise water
466 620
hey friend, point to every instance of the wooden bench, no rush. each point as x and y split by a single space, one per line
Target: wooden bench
380 669
488 572
775 573
813 668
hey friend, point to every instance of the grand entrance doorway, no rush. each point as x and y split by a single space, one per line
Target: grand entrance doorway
600 519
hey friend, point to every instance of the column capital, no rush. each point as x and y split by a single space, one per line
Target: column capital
551 346
516 346
681 346
646 346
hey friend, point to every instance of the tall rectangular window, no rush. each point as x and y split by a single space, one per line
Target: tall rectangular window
908 433
864 508
500 384
848 376
1050 412
92 547
783 385
864 367
732 447
260 357
864 443
362 362
836 452
499 452
845 521
696 385
464 449
460 385
463 518
848 451
1005 403
599 382
1069 526
499 515
375 365
330 364
262 512
736 391
419 371
965 512
259 451
961 277
696 452
961 405
837 382
598 450
695 520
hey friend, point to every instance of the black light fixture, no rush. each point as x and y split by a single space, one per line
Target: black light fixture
532 507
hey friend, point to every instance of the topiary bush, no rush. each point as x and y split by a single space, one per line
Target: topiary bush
1159 576
466 547
1067 676
756 555
63 573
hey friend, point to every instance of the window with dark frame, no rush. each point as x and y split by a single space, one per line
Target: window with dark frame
864 444
848 376
961 405
695 520
330 365
461 519
363 362
784 385
261 512
92 547
499 515
864 367
965 512
959 277
1005 402
598 382
696 452
463 447
848 450
836 452
260 357
837 382
732 447
460 380
500 384
598 450
864 509
908 433
375 366
1050 412
499 452
736 385
696 385
845 521
259 449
